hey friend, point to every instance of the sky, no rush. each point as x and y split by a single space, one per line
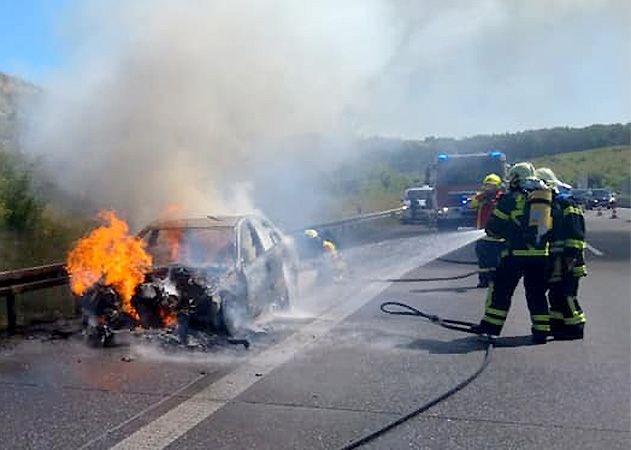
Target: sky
441 68
30 44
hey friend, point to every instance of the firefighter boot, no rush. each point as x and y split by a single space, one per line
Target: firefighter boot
486 329
483 281
570 332
557 325
539 337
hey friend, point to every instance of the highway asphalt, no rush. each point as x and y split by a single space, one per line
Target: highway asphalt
336 368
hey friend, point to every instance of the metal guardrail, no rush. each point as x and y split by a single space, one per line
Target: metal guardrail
14 282
19 281
360 218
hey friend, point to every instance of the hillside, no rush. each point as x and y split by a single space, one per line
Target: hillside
599 167
377 180
14 95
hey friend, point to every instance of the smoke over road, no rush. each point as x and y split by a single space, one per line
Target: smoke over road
232 106
188 102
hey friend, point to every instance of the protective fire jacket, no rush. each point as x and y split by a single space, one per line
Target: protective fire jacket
568 232
484 202
510 221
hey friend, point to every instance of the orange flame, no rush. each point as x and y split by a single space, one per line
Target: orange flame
169 318
109 254
172 236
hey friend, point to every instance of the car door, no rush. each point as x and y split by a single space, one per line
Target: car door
272 253
254 266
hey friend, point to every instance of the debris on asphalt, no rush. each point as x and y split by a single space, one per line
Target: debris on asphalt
196 341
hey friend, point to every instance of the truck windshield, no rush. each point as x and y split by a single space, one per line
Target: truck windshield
468 170
416 194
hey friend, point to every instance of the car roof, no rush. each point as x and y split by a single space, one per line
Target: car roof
198 222
421 188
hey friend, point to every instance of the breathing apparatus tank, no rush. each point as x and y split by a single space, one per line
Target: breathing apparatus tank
540 215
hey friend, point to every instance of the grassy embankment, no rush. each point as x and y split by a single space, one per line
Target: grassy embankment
32 232
601 167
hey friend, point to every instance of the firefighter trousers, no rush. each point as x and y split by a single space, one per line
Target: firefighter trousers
566 315
488 253
511 269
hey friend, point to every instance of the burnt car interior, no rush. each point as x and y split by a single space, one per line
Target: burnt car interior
207 274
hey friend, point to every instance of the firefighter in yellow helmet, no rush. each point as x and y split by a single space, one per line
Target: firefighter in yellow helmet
488 248
523 218
329 262
485 200
567 262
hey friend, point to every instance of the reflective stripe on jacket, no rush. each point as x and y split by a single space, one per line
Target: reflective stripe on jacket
509 221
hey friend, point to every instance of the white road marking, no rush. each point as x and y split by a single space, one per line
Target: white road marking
178 421
594 250
151 407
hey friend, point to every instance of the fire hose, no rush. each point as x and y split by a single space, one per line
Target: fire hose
421 280
458 325
457 261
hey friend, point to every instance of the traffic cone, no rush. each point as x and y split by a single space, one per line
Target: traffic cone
614 213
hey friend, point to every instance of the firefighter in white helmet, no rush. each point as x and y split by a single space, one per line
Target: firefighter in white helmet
567 262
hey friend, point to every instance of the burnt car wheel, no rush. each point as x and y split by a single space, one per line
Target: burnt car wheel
286 287
99 336
282 295
234 314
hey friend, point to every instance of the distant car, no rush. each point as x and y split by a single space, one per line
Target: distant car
420 205
601 198
211 274
582 196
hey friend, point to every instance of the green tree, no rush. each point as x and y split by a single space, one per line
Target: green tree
19 209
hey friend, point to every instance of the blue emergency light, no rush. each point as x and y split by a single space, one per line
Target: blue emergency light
495 154
443 157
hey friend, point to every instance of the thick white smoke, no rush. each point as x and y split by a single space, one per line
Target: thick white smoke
211 104
189 101
490 66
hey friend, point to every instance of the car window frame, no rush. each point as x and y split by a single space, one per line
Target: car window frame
150 235
258 247
265 229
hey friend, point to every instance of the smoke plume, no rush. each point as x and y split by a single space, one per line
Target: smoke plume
228 106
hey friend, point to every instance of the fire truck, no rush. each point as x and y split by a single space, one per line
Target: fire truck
456 178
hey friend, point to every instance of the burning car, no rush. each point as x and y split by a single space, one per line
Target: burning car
211 274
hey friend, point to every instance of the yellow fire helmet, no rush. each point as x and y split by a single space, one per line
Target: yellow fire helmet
492 179
311 233
546 175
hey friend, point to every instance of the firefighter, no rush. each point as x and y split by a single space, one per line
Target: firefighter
487 248
567 262
523 218
331 264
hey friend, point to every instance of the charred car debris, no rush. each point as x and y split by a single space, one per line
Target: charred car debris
210 276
